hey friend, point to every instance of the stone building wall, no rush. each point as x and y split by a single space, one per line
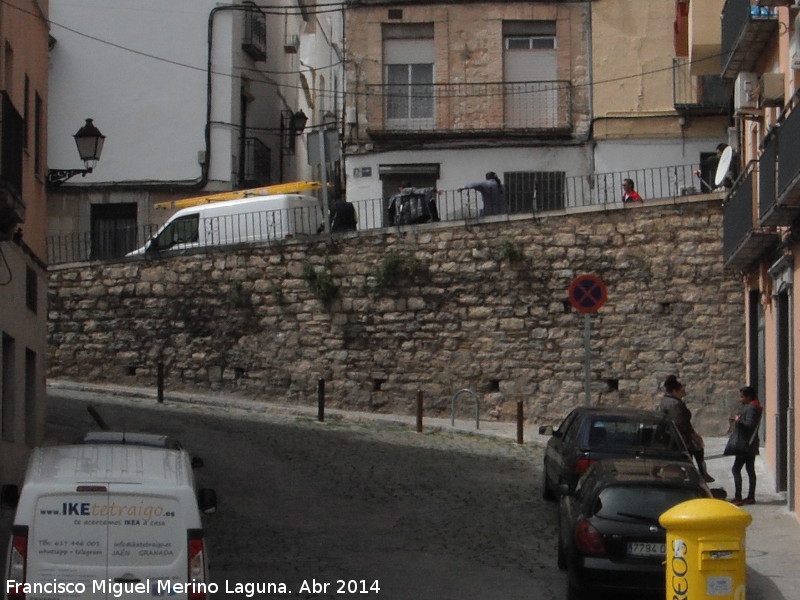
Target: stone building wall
382 314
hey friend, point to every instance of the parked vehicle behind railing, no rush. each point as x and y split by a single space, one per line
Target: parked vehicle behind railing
249 220
260 219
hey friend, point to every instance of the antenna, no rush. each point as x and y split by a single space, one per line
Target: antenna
723 166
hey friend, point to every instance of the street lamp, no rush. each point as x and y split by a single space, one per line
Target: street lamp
90 144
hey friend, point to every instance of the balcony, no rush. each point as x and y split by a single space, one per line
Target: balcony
698 94
255 167
12 137
254 42
532 107
745 35
742 243
788 192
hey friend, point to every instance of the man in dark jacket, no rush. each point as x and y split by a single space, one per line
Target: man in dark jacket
343 216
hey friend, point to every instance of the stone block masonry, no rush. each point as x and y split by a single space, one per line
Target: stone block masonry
439 307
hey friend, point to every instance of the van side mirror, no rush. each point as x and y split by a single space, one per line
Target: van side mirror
9 496
207 501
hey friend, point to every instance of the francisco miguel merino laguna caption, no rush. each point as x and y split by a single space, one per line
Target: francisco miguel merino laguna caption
160 587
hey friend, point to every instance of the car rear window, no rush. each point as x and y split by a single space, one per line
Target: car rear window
640 502
608 434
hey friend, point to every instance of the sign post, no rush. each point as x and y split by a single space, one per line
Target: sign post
587 293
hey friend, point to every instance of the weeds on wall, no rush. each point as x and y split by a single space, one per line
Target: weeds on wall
395 270
321 283
509 251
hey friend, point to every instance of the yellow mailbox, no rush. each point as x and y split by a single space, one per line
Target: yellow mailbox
705 550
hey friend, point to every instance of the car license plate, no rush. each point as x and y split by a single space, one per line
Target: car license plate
646 549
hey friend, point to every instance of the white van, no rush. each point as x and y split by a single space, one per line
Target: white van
253 219
107 521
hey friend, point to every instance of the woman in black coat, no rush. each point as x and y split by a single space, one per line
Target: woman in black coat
744 444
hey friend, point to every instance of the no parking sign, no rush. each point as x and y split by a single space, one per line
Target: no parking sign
587 293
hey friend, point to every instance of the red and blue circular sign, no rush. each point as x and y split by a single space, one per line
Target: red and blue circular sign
587 293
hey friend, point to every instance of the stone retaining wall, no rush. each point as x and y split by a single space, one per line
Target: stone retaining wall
382 314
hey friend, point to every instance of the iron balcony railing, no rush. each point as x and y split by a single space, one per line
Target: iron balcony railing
742 242
767 180
526 193
789 154
470 107
701 94
12 142
747 26
254 42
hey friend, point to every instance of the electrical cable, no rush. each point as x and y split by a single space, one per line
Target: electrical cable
340 6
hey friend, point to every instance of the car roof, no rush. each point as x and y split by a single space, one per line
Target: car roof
617 411
647 470
108 463
128 438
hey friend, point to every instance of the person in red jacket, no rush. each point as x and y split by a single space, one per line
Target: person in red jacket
629 194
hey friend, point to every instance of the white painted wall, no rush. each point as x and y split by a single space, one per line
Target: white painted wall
459 167
138 68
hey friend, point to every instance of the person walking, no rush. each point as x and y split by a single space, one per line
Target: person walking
673 405
743 445
491 189
343 216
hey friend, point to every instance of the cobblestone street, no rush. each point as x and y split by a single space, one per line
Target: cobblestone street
431 515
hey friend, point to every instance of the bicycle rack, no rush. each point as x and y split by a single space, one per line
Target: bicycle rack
477 407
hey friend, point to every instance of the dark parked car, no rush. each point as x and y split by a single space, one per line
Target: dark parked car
589 434
609 536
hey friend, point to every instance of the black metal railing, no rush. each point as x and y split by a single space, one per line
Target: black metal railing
745 32
254 42
697 94
767 174
789 152
468 107
527 193
737 221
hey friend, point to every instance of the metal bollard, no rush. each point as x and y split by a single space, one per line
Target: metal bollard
519 421
321 399
705 550
160 381
419 411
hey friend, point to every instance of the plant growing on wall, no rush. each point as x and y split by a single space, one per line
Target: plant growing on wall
321 283
395 269
509 251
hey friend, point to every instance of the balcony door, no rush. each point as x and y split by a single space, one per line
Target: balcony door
408 55
530 69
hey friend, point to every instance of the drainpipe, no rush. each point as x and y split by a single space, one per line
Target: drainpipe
190 184
590 76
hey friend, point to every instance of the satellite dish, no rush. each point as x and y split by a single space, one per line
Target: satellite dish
723 166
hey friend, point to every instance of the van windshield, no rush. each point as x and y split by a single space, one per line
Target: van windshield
183 230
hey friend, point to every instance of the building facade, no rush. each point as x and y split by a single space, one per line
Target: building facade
24 35
757 48
441 92
194 98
